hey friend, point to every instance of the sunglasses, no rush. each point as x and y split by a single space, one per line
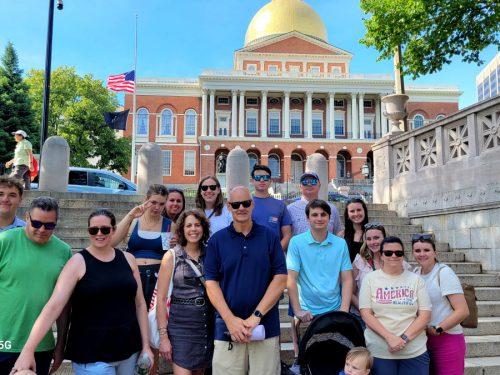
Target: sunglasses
421 237
245 204
206 187
38 224
389 253
262 178
94 230
306 182
373 226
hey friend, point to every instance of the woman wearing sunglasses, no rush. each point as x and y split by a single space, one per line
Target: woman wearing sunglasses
176 203
355 217
108 324
445 337
396 308
209 199
187 339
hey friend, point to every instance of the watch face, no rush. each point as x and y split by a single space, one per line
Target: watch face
439 330
257 313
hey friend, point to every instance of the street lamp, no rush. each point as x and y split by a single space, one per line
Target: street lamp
46 86
365 170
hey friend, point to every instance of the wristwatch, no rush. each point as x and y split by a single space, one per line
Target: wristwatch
258 314
405 338
438 329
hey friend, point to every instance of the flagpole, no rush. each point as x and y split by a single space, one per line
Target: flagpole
134 113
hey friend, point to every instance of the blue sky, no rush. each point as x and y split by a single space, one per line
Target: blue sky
180 38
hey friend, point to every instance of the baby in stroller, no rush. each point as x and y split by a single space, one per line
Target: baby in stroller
358 361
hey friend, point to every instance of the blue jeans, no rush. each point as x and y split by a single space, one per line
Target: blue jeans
414 366
124 367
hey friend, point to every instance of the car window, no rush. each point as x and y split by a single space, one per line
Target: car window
103 180
77 178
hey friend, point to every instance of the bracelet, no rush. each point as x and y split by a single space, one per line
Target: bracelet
163 333
160 328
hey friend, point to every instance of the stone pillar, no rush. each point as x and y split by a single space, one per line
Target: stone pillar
384 123
148 166
317 163
286 115
203 112
383 168
211 129
309 115
241 118
331 114
54 169
263 115
378 119
361 116
354 117
237 169
234 113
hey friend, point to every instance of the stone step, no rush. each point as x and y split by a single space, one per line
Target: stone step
482 366
371 206
444 256
484 293
488 308
385 220
483 279
488 325
460 267
483 346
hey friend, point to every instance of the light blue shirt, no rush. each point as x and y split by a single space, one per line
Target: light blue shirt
16 224
319 266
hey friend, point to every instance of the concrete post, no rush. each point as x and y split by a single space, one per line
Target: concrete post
54 170
383 166
149 167
317 163
237 169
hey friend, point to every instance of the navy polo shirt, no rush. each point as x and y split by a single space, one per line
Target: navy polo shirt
244 267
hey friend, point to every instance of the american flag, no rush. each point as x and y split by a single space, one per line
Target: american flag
122 82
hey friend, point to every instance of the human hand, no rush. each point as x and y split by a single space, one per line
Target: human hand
395 343
431 331
139 210
304 316
341 234
25 361
173 240
57 359
165 348
8 164
147 350
239 332
251 322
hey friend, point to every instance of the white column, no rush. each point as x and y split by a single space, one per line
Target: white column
378 119
286 115
263 115
203 112
354 116
361 116
211 120
234 113
309 114
331 116
241 119
348 117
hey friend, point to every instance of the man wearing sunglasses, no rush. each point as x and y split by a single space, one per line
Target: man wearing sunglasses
267 210
246 273
11 196
31 259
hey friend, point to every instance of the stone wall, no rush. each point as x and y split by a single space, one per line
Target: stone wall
446 176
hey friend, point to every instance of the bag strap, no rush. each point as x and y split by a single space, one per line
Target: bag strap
196 271
170 286
439 284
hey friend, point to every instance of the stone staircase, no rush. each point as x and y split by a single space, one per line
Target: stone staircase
483 343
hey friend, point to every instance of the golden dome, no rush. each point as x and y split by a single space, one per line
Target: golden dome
283 16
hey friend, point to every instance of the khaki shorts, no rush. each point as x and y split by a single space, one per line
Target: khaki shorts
255 358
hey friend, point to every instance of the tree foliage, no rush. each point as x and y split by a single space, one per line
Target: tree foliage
76 114
431 32
15 105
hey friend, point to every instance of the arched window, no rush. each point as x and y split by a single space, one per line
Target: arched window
252 160
341 166
190 123
166 125
297 167
418 121
142 122
440 117
274 165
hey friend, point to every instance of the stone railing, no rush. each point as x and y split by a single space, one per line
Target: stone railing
446 176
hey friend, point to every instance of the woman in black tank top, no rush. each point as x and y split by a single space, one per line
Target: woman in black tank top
108 312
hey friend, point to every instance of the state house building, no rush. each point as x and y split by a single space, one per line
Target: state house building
290 94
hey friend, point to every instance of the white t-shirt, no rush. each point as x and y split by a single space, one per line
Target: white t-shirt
450 284
219 222
395 301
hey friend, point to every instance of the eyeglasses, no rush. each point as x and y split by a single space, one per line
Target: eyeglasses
373 226
38 224
264 177
389 253
421 237
245 204
94 230
311 181
206 187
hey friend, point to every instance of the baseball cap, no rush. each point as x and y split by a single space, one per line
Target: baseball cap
309 174
21 133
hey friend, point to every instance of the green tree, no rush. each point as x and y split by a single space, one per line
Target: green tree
76 114
431 32
15 105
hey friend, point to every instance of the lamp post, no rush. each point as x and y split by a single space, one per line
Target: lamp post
46 86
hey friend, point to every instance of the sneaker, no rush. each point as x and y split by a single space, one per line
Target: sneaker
285 369
295 368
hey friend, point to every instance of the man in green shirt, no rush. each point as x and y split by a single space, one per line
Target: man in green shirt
23 155
31 259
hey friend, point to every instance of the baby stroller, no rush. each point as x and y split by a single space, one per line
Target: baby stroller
327 340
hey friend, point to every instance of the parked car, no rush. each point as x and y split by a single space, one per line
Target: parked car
100 181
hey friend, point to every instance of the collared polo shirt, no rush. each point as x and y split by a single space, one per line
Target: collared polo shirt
300 224
16 224
319 265
244 266
272 213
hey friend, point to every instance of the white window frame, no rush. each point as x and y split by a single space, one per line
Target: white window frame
251 69
367 101
166 162
190 112
218 125
415 118
365 126
440 117
252 113
298 115
336 70
314 70
223 100
187 155
249 101
271 157
339 115
142 112
317 115
270 117
172 123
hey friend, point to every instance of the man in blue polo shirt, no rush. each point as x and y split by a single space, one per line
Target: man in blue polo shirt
318 262
245 271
